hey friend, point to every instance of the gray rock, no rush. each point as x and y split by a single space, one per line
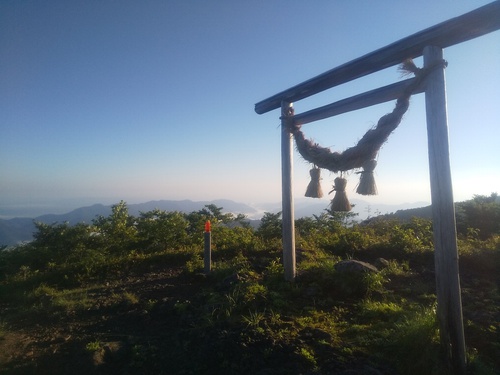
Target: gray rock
355 266
382 263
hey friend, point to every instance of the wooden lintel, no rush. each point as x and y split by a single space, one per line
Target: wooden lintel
468 26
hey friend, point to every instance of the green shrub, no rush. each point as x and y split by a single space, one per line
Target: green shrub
228 242
404 239
117 231
158 230
341 285
414 344
270 226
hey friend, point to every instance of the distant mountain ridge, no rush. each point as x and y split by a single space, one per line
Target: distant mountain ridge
17 230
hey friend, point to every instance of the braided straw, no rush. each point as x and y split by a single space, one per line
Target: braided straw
368 146
314 188
340 202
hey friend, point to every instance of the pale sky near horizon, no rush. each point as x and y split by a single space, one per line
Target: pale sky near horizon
102 101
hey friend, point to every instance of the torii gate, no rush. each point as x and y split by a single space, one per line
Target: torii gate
428 43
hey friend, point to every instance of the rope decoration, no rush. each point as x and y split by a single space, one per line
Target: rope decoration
362 155
340 202
367 184
314 187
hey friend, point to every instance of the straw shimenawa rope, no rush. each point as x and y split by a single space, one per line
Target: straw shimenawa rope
368 147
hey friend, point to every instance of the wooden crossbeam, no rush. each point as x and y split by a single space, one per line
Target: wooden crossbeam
353 103
454 31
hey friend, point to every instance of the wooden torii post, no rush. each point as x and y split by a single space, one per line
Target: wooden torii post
429 43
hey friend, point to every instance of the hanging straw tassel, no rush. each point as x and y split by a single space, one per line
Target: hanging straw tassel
340 201
314 187
367 184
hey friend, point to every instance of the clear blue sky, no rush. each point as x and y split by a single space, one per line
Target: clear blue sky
146 100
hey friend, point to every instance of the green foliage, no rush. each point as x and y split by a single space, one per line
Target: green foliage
482 214
404 239
50 299
158 230
210 212
351 241
270 226
118 230
382 310
345 219
477 366
414 343
253 319
244 317
93 346
231 241
194 265
403 333
3 330
56 243
306 226
215 215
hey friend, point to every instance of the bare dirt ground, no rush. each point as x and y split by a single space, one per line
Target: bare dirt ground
128 323
57 343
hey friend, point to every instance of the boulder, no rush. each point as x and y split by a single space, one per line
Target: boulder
354 266
382 263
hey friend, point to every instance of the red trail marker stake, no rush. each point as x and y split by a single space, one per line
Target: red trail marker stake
207 254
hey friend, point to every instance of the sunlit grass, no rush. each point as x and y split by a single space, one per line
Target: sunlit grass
67 300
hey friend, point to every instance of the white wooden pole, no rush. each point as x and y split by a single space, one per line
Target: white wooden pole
288 220
449 309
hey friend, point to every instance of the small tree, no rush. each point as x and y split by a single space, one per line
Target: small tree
159 229
118 229
270 226
346 219
481 213
210 212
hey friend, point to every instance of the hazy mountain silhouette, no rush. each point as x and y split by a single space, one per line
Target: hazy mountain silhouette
17 230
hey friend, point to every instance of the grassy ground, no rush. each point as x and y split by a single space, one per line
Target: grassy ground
156 313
